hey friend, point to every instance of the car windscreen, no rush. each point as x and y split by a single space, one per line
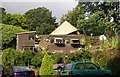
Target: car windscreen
1 68
20 68
68 66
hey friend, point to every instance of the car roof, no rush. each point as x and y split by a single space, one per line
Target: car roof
80 62
19 66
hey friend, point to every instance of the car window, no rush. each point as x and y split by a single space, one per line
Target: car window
79 66
90 66
68 66
20 68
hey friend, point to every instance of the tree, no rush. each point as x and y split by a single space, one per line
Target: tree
40 19
95 24
19 59
94 17
47 66
9 35
2 11
45 28
36 60
27 55
15 20
71 17
8 57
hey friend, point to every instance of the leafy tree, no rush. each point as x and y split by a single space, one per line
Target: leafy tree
94 17
47 66
15 20
19 59
71 17
95 24
36 60
40 19
2 10
27 55
108 10
8 57
12 57
8 35
45 28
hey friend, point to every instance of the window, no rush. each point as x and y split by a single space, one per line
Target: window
91 66
68 66
75 41
58 40
79 66
27 48
31 37
21 68
67 41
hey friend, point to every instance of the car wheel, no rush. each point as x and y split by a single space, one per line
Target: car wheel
107 75
77 75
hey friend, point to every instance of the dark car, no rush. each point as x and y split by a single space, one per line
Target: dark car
84 69
2 71
21 71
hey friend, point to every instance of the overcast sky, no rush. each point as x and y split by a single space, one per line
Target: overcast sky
58 8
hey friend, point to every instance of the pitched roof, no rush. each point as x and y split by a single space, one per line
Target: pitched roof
26 32
64 29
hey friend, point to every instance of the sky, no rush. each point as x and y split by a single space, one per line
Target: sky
58 8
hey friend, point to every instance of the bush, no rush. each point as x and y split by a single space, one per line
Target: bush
47 66
76 56
36 60
114 65
8 57
102 57
11 57
58 57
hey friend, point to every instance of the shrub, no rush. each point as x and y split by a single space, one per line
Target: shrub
47 66
58 57
27 55
36 60
78 56
114 65
8 57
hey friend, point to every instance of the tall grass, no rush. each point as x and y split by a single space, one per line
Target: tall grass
115 42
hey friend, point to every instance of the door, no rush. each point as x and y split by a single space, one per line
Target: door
92 70
79 69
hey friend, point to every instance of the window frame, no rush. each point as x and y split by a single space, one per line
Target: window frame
80 64
95 67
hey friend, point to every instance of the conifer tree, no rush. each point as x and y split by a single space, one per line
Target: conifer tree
46 69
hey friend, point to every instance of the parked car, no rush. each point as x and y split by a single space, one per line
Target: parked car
21 71
58 66
84 69
57 69
2 71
